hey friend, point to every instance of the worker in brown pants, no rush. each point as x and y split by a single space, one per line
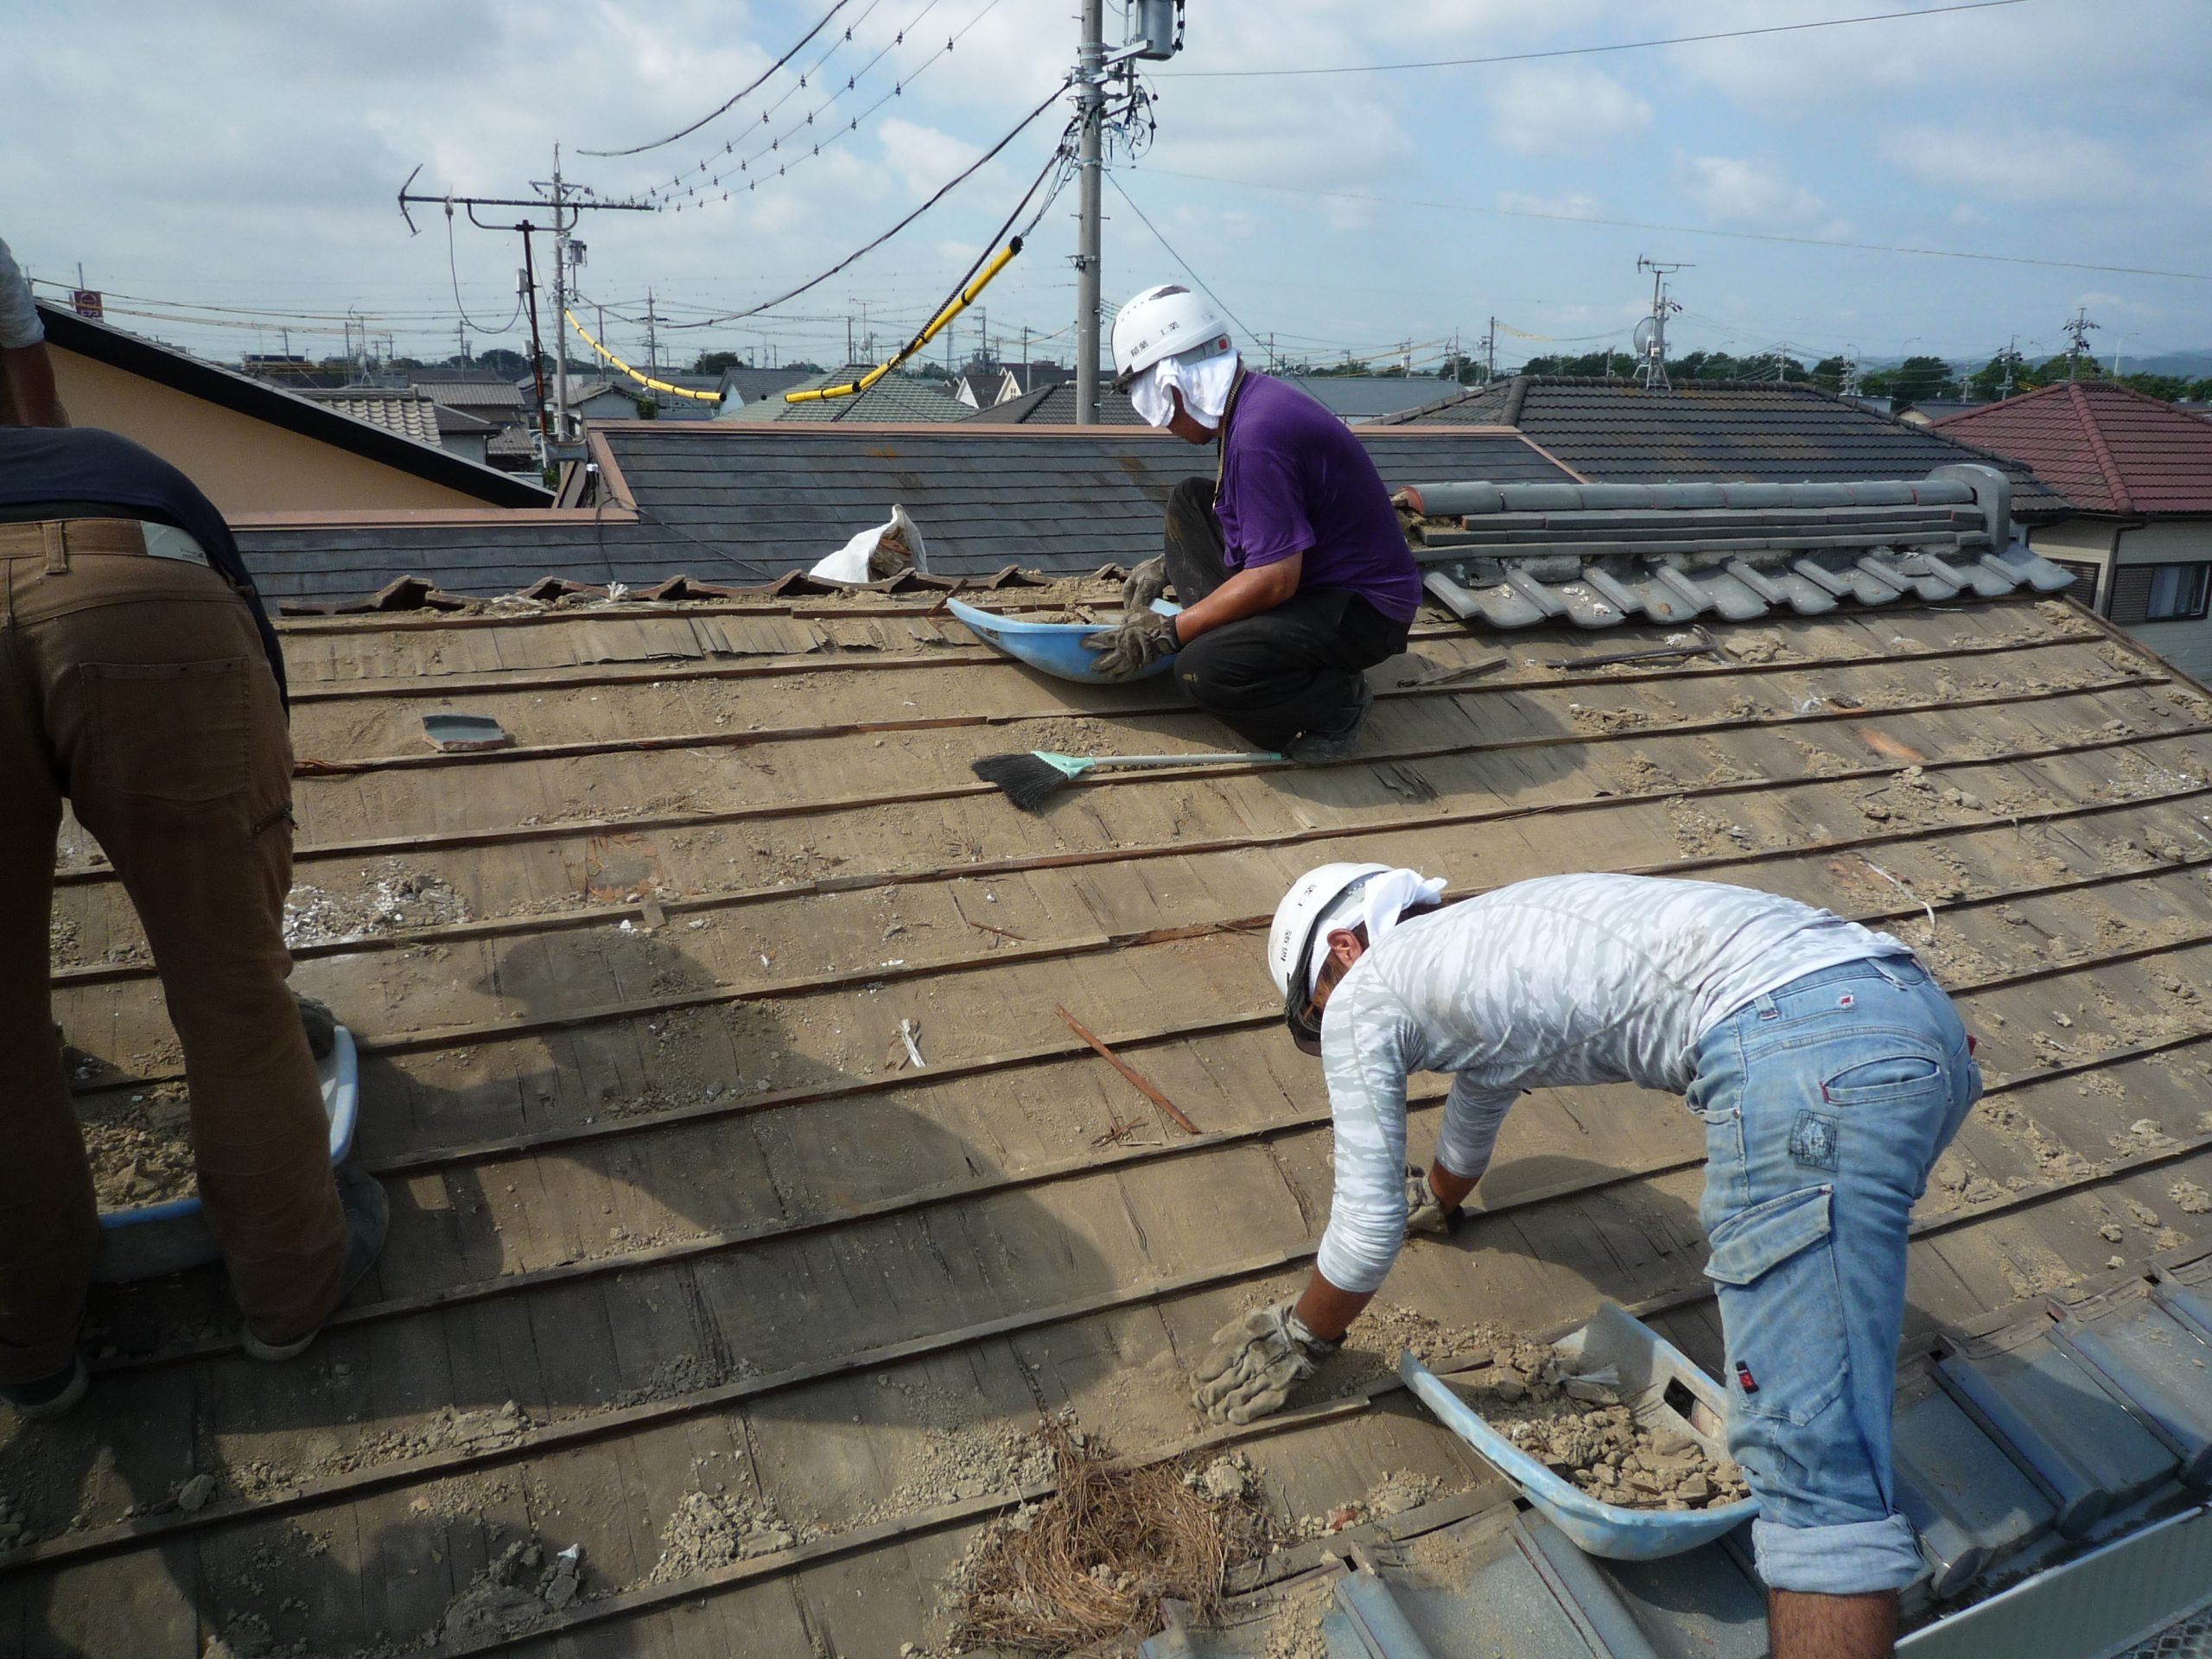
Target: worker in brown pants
138 679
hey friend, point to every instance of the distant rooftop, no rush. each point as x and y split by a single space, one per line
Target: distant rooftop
2110 448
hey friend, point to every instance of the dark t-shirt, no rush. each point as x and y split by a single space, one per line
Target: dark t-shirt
84 473
1295 480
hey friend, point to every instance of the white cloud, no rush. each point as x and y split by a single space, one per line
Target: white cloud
1740 190
1544 111
1574 204
2031 163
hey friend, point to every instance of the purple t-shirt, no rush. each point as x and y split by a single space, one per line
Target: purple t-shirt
1295 480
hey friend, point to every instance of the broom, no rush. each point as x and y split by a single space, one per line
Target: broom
1030 779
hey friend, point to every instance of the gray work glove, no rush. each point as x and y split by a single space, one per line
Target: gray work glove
1145 583
319 1024
1255 1360
1423 1213
1124 653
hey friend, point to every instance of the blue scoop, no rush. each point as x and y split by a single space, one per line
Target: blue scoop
1054 648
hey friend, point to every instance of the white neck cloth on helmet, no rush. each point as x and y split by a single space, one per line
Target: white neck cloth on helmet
1204 381
1378 901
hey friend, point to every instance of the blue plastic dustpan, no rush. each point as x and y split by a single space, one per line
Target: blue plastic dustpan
151 1239
1054 648
1647 1366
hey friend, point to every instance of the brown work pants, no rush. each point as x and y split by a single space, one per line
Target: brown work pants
137 686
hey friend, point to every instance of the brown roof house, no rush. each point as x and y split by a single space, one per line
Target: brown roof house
256 448
2139 471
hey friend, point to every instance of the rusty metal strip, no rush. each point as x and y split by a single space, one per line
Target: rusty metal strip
521 835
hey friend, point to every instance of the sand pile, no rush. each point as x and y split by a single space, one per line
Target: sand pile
1582 1432
140 1147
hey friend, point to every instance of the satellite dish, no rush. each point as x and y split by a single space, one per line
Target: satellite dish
1642 338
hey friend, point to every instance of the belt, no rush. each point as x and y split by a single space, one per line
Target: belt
42 539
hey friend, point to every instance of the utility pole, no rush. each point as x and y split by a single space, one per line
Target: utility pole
2011 362
1490 352
1654 359
2078 327
565 208
1091 97
652 337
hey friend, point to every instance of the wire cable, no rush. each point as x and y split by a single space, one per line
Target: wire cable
736 98
1177 257
943 191
1588 51
452 270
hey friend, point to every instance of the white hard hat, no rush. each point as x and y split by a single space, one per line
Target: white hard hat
1165 321
1298 923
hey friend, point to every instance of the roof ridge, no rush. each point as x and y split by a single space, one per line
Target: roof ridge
2077 400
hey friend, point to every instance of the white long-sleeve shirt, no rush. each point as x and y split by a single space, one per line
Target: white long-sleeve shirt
19 323
1562 981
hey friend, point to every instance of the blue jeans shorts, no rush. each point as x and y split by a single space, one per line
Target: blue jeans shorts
1825 1104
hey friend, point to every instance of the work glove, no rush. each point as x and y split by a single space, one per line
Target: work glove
319 1024
1423 1213
1145 583
1124 653
1255 1361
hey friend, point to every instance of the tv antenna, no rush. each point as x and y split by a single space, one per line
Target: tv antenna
1651 337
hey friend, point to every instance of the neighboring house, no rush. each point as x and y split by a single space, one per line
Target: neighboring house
741 386
512 443
1928 410
412 413
1353 398
894 397
254 447
1615 432
2139 470
1055 405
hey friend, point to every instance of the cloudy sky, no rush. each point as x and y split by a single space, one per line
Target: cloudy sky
245 154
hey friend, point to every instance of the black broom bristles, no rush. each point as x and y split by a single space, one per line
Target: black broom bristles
1026 781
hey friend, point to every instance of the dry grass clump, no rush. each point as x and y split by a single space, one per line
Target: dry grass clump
1096 1558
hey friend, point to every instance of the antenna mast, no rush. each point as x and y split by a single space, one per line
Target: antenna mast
1654 344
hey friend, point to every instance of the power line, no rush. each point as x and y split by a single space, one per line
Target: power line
730 145
943 191
665 194
1588 51
736 98
1309 191
1177 257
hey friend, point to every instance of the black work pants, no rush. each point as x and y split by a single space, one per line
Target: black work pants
1285 672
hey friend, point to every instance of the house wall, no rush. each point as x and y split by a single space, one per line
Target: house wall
2187 645
2079 541
241 464
2108 543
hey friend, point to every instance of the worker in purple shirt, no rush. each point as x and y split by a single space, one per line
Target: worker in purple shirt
1293 572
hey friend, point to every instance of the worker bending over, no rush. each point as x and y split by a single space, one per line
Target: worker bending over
139 679
1289 563
1829 1071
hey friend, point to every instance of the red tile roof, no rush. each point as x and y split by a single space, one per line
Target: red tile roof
2111 449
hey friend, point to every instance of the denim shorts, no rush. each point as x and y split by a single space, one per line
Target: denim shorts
1825 1104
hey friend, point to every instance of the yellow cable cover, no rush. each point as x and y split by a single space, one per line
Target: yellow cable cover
954 307
642 379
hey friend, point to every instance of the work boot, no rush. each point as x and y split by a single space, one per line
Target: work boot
49 1396
1312 748
368 1214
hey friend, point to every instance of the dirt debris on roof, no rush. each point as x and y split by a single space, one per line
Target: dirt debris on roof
633 1079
